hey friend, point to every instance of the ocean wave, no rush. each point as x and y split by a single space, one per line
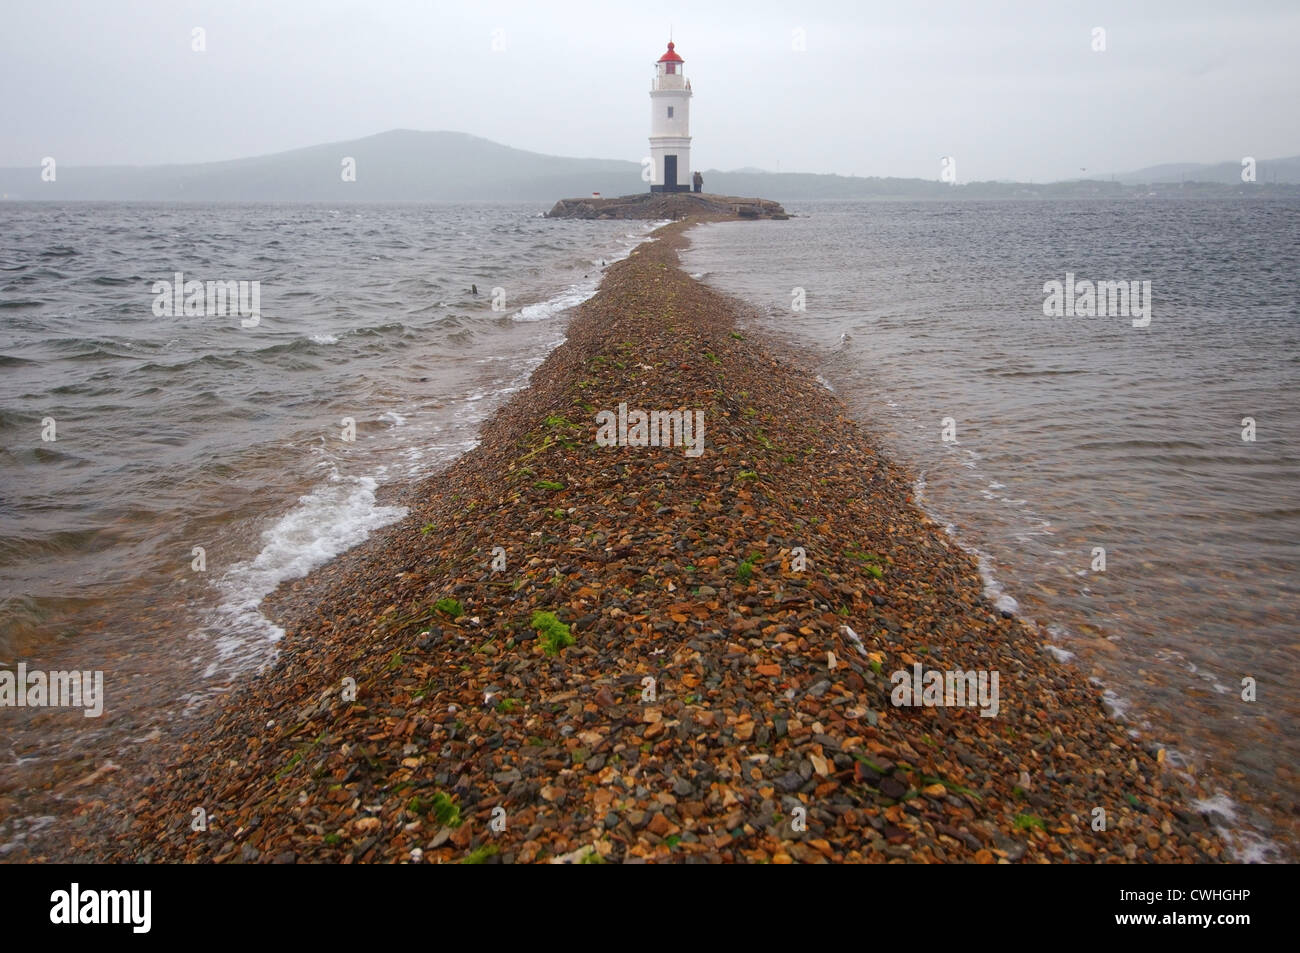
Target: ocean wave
1246 846
571 297
579 291
333 518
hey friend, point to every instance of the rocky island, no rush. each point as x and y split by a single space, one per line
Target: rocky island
658 206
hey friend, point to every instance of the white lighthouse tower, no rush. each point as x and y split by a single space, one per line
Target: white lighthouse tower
670 125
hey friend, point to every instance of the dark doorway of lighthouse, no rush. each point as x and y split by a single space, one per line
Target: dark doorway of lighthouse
670 173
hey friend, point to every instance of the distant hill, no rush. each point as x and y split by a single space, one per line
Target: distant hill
1282 171
409 166
401 165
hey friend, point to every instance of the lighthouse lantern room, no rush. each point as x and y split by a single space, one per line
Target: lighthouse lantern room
670 125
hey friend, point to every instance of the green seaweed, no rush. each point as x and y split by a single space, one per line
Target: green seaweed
553 633
449 607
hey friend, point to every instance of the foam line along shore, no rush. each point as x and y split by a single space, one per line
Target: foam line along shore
150 567
674 605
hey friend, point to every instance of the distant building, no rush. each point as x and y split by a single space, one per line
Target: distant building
670 125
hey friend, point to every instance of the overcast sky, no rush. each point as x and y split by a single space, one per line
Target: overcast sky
1011 90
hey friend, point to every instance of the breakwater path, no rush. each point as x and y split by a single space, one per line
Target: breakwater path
579 648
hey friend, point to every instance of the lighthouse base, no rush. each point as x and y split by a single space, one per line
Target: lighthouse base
658 206
670 188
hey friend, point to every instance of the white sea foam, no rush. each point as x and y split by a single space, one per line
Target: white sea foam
1219 804
1058 653
1059 633
337 515
329 520
573 296
324 339
1117 706
992 588
579 291
1246 846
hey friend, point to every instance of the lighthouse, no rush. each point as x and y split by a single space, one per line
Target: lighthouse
670 125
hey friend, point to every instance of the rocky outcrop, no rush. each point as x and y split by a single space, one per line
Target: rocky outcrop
657 206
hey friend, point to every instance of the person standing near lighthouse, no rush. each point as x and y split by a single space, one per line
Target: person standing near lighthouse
670 125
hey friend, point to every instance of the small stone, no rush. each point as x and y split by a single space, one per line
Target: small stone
660 826
892 788
789 782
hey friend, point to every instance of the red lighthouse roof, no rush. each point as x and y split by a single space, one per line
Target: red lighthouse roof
670 56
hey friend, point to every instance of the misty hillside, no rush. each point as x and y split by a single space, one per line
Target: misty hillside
400 165
409 166
1226 173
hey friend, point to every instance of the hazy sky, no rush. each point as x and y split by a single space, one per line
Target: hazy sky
1009 89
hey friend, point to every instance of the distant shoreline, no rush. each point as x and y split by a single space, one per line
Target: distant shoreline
405 165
